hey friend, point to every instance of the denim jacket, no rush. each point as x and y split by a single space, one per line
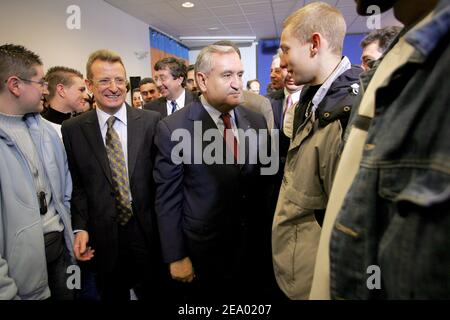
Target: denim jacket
396 215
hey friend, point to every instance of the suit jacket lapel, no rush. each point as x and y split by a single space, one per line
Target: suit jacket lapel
91 130
198 113
161 107
135 138
242 123
188 97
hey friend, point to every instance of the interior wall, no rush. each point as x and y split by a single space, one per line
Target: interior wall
41 26
268 48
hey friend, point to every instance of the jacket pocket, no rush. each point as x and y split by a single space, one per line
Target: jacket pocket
198 229
26 262
420 187
413 249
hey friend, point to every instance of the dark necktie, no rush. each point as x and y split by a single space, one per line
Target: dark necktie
174 105
228 135
119 173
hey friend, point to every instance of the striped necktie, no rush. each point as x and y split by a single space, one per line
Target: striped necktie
174 106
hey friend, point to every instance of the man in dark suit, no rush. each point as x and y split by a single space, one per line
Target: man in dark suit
170 77
110 153
283 103
213 218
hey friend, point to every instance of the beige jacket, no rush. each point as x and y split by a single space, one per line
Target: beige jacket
308 175
311 163
259 104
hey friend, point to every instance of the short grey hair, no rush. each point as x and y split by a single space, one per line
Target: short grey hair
204 61
278 54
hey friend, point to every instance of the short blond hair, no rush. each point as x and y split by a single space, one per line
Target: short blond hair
102 55
322 18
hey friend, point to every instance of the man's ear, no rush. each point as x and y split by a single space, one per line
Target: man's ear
89 85
13 85
316 43
201 80
61 90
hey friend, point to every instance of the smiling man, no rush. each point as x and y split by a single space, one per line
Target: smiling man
110 152
170 78
213 217
35 230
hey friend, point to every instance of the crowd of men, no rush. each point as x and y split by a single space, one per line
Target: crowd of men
172 197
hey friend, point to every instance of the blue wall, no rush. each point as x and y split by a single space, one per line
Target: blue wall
351 47
267 49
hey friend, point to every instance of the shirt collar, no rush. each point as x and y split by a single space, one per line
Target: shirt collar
294 96
180 99
213 112
121 115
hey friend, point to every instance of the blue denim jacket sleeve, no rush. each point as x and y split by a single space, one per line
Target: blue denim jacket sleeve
396 215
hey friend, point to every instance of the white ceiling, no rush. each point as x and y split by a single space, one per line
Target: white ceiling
262 19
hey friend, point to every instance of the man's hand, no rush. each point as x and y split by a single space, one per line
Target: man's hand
80 249
182 270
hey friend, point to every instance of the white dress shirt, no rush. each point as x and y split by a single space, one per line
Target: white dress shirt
215 115
288 120
120 125
180 102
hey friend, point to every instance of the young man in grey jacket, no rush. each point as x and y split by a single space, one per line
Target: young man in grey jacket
35 186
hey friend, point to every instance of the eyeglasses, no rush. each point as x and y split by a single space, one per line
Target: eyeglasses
120 82
41 82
